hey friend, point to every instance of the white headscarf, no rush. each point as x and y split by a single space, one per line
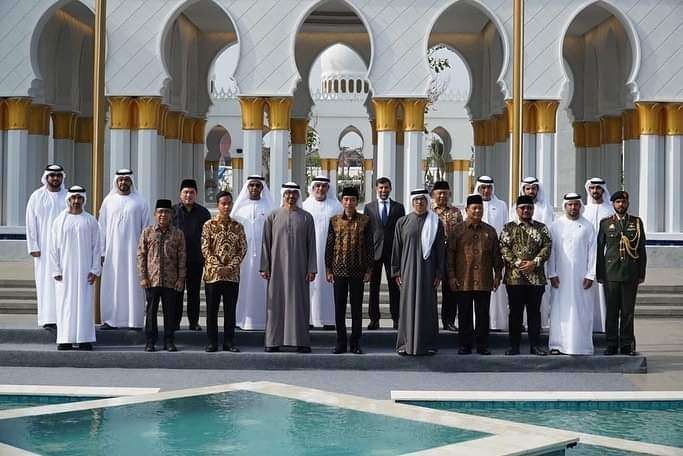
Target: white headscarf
290 186
596 181
53 169
119 173
486 180
540 196
572 196
330 201
431 224
243 197
75 190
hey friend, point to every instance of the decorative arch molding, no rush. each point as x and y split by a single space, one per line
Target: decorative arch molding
468 67
446 138
350 129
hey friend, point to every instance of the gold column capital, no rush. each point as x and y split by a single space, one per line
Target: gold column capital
546 112
674 119
579 134
298 128
237 163
3 115
148 111
385 113
460 165
400 132
631 123
501 127
84 130
18 113
414 114
508 115
188 130
367 164
651 117
198 131
279 109
610 130
39 120
328 164
592 132
490 130
528 116
478 128
173 126
163 114
252 113
121 113
63 125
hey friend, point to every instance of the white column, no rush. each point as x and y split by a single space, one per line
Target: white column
198 169
503 179
298 163
460 181
186 161
17 172
611 165
651 182
545 164
252 151
332 174
593 162
479 160
674 185
386 154
369 182
412 166
631 172
150 167
172 173
37 158
238 179
120 150
399 187
83 167
279 158
528 154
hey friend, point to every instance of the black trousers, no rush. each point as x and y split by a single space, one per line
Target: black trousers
519 297
621 302
394 296
214 292
343 287
193 283
449 305
169 303
466 334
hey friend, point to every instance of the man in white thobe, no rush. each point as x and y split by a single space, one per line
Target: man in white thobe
44 205
571 270
74 265
123 216
251 208
495 214
322 206
597 208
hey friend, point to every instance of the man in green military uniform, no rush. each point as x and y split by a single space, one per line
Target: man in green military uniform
620 266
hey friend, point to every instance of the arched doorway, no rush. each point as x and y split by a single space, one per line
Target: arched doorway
350 161
218 166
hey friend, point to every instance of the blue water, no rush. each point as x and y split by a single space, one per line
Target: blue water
646 421
592 450
238 422
20 401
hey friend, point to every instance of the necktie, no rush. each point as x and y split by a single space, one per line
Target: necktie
385 213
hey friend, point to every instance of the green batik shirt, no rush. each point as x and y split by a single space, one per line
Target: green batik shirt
525 241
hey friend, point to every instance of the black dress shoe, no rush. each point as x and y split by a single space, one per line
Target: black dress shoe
230 348
483 351
87 346
50 326
512 352
171 347
374 324
449 327
356 351
402 353
195 328
431 352
395 324
106 326
303 349
609 351
338 350
628 351
210 348
464 351
555 351
150 348
328 327
271 349
538 350
64 347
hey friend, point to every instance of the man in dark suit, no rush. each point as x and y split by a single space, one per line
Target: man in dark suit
383 213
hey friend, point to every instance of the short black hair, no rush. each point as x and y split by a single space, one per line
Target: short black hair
223 193
383 180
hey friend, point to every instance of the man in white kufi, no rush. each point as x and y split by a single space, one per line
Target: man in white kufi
598 207
44 205
251 208
123 216
74 265
322 204
571 270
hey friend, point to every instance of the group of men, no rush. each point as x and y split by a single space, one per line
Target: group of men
287 268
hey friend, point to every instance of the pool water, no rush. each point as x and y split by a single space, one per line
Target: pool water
20 401
645 421
236 422
592 450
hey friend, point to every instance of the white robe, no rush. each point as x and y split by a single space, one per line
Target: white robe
594 213
122 219
495 214
74 253
322 291
251 302
42 209
572 259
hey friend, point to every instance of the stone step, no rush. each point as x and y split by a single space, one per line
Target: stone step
659 311
18 293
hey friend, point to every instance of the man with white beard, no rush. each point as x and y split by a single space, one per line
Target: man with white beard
44 205
495 214
322 206
123 216
74 265
571 270
251 208
597 208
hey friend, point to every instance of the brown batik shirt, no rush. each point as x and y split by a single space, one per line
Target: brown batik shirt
525 241
161 257
450 216
349 247
224 246
474 259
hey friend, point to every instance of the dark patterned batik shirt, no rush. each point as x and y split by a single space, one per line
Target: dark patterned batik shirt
349 247
161 257
450 217
474 257
224 246
525 241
